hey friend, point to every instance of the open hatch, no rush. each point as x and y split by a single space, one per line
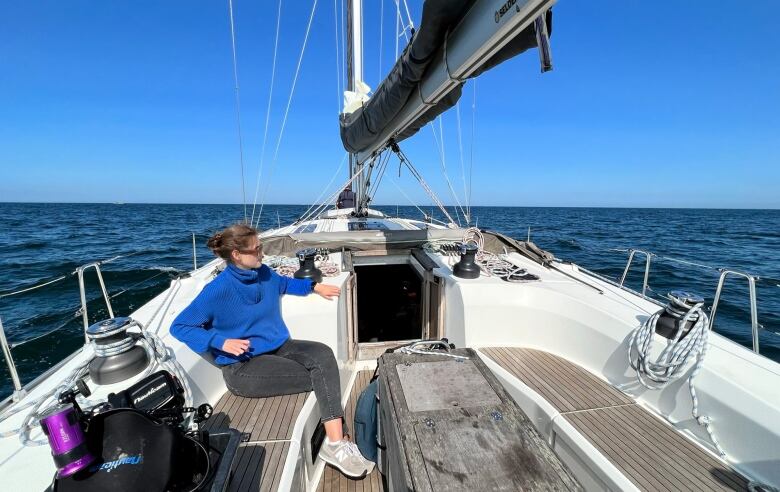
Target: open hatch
394 297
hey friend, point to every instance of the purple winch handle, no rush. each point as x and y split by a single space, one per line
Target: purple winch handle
66 440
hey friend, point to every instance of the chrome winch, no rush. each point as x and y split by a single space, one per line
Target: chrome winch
118 355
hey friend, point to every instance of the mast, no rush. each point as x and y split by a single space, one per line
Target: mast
354 78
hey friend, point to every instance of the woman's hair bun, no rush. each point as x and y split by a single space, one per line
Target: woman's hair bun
236 236
215 241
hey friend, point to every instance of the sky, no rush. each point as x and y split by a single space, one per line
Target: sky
650 104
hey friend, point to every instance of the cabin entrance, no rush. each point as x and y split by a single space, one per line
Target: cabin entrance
393 299
389 301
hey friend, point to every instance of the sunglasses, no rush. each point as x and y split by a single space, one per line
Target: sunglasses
255 251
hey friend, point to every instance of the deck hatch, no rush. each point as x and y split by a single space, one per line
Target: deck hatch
459 384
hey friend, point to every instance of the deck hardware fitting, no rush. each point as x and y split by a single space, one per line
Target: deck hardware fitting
753 302
83 293
194 254
18 393
648 259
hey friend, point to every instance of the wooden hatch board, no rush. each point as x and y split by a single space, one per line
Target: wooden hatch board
647 450
333 480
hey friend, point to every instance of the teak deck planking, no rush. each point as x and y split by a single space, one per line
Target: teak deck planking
648 450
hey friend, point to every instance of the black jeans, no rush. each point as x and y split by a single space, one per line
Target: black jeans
297 366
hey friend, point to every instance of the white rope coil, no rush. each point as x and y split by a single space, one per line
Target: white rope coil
491 264
672 361
286 266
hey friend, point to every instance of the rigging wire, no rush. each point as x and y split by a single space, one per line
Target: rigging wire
443 162
287 108
343 49
77 309
419 178
63 277
397 27
38 286
380 170
267 111
325 189
462 164
381 174
408 198
338 58
408 15
381 39
330 199
471 152
400 22
238 105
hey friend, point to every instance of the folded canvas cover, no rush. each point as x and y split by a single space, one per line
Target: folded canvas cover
361 129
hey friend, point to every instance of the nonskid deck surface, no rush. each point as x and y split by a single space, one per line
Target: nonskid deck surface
334 481
268 423
645 449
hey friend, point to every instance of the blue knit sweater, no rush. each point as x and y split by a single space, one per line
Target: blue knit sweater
241 304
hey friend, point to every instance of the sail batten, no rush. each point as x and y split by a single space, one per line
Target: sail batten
457 40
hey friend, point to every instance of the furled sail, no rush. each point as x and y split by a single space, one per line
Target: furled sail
456 40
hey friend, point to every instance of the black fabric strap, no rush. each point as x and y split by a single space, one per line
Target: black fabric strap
68 457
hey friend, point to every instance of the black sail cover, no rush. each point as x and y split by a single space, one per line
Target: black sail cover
361 128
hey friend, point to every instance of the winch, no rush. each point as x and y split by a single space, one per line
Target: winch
670 321
467 267
307 268
118 355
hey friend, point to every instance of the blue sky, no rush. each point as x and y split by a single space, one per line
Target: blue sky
650 104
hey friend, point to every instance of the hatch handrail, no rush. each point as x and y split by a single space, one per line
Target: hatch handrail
724 272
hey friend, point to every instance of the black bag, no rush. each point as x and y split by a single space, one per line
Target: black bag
137 453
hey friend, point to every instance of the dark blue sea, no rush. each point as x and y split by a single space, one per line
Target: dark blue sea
40 242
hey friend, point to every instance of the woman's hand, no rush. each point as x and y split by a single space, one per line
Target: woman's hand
327 291
235 346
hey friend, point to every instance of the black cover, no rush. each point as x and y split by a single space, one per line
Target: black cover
136 453
360 129
156 392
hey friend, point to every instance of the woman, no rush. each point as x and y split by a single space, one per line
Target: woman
237 319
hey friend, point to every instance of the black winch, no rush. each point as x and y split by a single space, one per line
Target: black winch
466 267
680 303
307 268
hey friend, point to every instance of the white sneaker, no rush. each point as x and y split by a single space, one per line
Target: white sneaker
345 456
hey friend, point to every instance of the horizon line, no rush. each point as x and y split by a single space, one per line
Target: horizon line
393 205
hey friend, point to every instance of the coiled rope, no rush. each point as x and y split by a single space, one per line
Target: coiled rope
286 266
491 264
671 362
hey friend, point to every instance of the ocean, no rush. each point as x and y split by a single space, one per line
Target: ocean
43 241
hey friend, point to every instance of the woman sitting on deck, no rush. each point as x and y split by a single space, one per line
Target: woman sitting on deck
237 319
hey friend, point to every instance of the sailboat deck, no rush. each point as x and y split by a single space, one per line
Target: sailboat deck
267 424
647 450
